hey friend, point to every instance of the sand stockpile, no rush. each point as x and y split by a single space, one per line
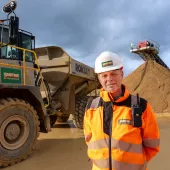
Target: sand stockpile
152 82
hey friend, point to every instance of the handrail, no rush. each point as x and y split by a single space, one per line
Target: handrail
24 67
28 77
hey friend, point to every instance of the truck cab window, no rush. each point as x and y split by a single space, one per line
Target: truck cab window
26 42
4 38
12 53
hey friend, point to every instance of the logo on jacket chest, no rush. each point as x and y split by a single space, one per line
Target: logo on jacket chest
125 121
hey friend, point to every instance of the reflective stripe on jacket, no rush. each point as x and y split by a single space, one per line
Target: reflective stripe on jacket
131 148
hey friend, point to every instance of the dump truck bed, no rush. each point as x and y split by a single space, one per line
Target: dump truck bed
55 57
59 68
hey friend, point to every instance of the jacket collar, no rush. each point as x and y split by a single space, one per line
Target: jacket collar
106 96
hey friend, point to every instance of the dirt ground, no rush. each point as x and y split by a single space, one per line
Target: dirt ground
64 149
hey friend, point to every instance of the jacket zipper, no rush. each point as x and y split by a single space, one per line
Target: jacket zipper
110 142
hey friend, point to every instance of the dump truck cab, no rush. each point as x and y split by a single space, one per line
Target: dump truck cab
25 40
10 54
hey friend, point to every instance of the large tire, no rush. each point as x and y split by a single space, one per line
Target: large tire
78 116
19 130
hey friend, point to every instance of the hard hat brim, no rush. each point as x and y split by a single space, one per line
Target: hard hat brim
108 69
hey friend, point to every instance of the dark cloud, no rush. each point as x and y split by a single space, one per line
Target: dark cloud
86 28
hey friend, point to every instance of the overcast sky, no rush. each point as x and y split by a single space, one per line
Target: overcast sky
85 28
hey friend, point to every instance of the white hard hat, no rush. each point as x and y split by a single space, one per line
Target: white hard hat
108 61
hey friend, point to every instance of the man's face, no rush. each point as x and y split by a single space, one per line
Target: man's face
111 81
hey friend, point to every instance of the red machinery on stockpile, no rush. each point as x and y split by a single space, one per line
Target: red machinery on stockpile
148 50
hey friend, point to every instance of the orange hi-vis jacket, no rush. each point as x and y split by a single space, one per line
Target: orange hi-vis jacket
113 142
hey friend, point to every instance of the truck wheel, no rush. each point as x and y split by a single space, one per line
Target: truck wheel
78 116
19 130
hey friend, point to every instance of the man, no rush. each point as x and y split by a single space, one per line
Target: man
119 136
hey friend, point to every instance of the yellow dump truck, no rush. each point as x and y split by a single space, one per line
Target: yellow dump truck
69 84
35 89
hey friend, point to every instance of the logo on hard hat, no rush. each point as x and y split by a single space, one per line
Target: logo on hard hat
107 63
